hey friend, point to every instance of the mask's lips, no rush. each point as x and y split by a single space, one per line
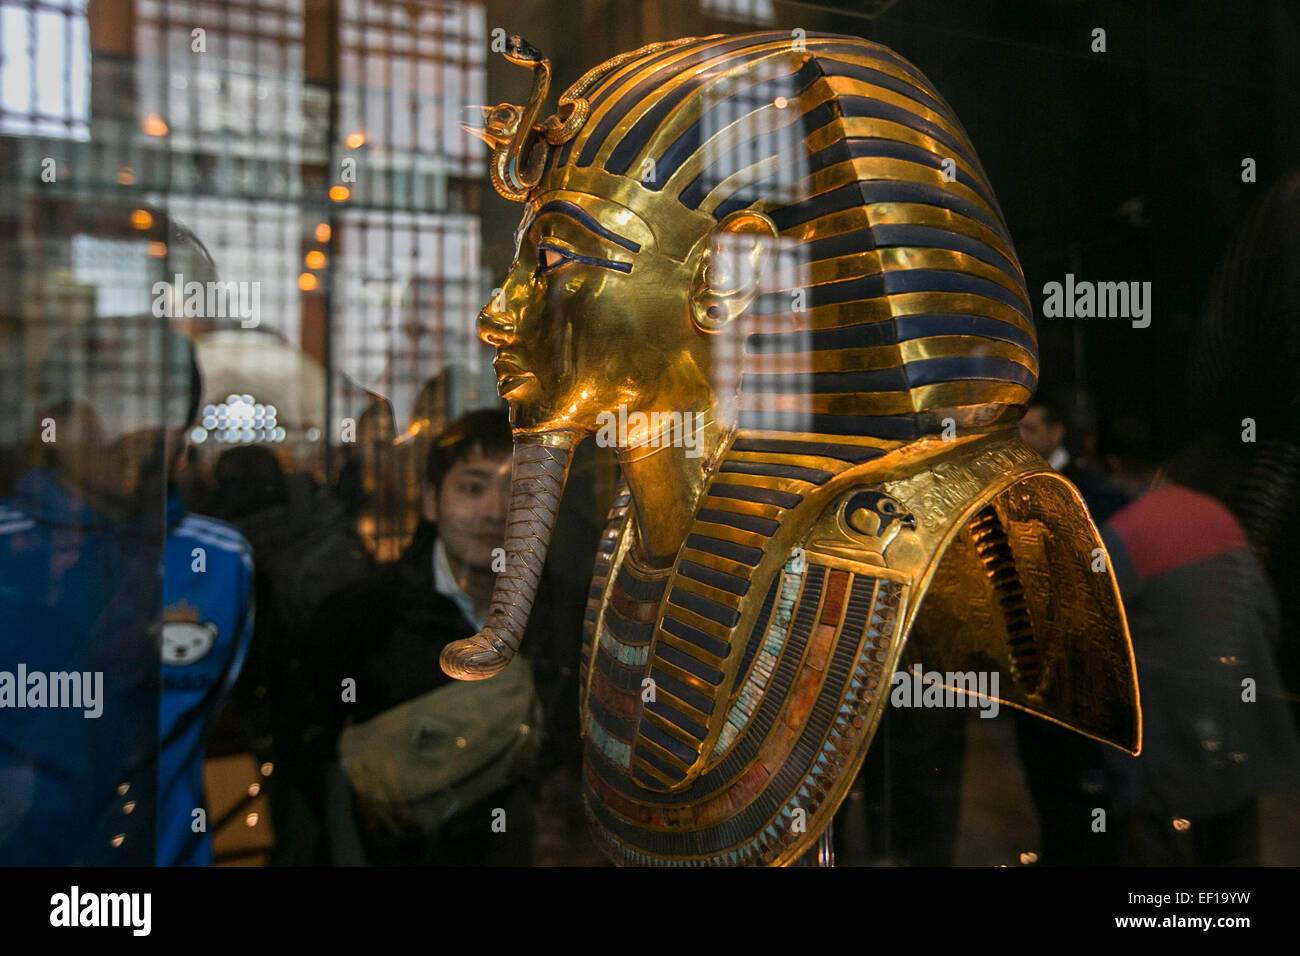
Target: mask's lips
510 375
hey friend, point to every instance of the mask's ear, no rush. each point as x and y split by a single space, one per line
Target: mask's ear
734 257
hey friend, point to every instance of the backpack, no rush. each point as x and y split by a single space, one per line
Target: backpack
415 766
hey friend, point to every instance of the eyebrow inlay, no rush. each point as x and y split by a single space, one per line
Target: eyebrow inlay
581 216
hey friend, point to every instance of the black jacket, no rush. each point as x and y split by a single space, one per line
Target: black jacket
385 632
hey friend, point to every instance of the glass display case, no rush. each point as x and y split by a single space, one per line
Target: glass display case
306 432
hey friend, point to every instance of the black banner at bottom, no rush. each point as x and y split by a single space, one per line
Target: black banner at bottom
673 909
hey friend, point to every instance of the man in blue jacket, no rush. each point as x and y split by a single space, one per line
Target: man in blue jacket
99 588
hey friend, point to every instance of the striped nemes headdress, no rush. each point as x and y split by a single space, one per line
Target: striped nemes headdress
898 302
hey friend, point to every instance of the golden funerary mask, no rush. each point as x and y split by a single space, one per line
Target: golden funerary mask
773 275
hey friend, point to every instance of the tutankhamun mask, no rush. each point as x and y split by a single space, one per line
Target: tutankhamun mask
773 273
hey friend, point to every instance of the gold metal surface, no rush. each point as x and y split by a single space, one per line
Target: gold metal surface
819 346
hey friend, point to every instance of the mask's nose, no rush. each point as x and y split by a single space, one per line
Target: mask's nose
496 327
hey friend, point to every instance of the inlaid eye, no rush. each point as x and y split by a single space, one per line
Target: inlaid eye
551 257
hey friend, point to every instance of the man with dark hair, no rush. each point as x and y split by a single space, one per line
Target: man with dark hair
414 747
1043 429
485 429
465 497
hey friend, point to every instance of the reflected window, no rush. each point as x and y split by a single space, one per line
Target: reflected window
410 294
229 80
406 72
45 69
118 270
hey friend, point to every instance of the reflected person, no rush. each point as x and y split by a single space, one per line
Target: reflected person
425 765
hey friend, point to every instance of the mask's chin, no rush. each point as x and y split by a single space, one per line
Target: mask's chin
515 387
571 414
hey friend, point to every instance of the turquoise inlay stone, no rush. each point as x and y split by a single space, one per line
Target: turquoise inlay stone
726 737
616 750
751 693
730 730
632 656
